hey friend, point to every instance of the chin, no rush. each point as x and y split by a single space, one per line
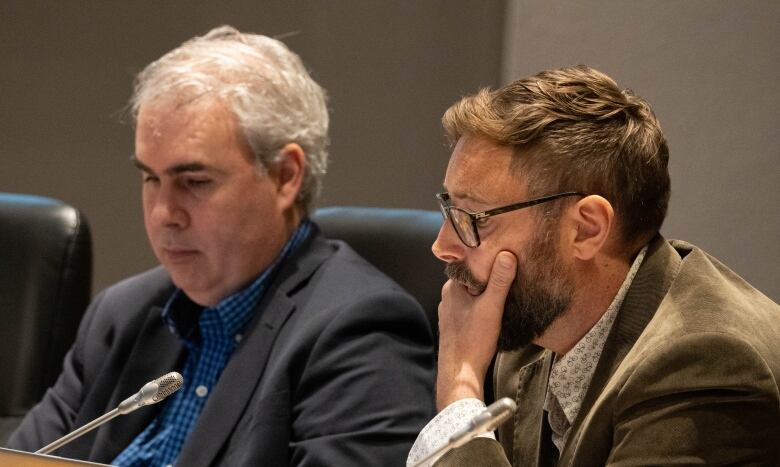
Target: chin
190 285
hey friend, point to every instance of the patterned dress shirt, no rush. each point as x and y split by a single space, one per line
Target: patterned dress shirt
569 381
210 336
572 372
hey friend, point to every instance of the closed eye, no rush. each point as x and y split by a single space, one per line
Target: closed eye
197 182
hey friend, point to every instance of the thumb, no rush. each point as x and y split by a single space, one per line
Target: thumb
502 275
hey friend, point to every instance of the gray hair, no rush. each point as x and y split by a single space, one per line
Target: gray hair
261 81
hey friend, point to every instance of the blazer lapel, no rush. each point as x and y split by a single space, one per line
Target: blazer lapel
245 368
157 352
643 298
522 439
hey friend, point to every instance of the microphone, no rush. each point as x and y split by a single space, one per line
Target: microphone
488 420
151 393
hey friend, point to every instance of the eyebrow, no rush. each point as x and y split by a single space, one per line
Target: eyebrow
465 196
174 170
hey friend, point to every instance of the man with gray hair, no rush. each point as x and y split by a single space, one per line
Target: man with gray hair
294 350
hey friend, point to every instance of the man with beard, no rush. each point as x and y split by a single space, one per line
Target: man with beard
618 346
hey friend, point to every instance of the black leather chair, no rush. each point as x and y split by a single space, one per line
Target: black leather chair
396 241
45 286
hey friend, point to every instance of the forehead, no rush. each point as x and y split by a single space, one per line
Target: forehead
482 171
199 131
172 116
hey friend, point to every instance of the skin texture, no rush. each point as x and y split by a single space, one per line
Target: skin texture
585 273
214 218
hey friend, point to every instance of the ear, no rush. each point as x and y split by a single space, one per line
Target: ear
593 219
287 171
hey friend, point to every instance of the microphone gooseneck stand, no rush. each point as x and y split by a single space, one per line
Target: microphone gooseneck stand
151 393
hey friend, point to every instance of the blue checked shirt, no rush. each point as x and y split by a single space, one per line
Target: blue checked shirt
210 344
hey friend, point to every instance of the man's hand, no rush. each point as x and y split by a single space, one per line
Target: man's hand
468 332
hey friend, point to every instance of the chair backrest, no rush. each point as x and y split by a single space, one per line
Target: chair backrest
45 286
396 241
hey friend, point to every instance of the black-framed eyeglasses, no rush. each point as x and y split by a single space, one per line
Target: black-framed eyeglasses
465 222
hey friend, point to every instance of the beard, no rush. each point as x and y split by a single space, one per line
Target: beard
541 292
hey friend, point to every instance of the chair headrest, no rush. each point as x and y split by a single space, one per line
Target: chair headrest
397 242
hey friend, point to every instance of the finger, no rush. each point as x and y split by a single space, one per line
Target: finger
502 275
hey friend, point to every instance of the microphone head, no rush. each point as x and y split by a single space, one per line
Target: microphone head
501 409
167 384
494 415
152 392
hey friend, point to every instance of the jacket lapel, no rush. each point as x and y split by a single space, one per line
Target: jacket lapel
158 353
245 368
643 298
522 439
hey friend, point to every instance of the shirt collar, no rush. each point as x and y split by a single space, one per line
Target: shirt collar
181 314
571 374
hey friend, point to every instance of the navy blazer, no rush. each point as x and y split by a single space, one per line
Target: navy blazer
335 368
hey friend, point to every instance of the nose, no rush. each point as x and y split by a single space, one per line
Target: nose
448 246
166 210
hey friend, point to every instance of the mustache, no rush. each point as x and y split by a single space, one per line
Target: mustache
459 272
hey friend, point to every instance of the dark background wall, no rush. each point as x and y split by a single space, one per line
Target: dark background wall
710 70
391 68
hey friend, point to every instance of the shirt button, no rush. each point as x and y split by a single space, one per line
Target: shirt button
238 338
201 391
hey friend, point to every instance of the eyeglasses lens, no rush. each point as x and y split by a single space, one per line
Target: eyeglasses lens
464 227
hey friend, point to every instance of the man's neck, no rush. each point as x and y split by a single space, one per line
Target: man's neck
596 286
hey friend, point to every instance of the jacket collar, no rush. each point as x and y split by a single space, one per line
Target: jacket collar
245 368
648 289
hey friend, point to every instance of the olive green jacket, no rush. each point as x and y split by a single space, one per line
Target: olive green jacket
688 376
